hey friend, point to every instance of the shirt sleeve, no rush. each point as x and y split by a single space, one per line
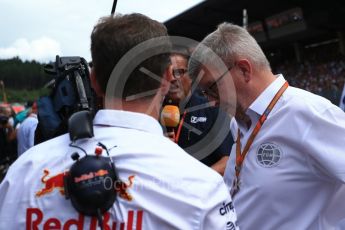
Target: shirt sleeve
219 212
324 142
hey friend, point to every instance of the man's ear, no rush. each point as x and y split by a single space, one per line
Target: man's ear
245 68
95 84
167 78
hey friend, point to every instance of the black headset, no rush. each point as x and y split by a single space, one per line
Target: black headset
90 182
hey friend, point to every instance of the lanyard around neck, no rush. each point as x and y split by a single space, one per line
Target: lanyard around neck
180 127
240 156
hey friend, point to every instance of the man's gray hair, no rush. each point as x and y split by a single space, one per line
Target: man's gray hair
229 42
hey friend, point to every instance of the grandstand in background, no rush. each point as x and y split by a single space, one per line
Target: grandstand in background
303 39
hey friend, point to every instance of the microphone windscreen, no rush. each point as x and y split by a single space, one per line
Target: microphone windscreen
170 116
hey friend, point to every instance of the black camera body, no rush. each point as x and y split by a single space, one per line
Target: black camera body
71 72
71 92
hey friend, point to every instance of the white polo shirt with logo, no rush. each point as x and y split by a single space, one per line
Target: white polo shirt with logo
165 188
295 168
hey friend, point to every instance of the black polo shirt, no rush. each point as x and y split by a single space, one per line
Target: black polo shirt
199 123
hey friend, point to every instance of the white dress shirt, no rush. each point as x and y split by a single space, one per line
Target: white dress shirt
26 133
295 166
166 187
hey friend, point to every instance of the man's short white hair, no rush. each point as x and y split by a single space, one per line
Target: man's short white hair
229 42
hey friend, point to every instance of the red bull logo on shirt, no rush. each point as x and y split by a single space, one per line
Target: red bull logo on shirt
51 183
56 182
121 188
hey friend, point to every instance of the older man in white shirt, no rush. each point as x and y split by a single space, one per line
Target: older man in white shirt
288 161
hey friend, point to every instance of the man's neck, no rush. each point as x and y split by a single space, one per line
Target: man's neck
145 106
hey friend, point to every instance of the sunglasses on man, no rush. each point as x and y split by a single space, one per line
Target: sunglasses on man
212 90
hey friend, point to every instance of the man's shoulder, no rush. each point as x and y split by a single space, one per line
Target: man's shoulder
302 101
183 167
28 123
49 155
193 183
167 158
50 150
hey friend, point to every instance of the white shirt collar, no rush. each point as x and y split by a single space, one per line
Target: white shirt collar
263 100
126 119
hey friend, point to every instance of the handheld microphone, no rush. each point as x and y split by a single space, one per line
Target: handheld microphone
170 118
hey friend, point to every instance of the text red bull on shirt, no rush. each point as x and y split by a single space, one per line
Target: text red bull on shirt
35 220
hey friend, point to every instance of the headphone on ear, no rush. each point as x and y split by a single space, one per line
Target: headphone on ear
90 182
